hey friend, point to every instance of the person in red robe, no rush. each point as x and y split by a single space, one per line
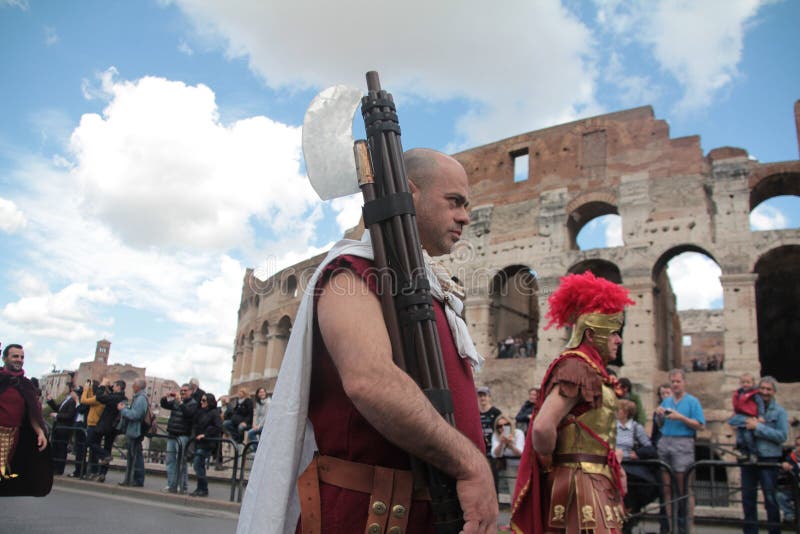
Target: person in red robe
25 465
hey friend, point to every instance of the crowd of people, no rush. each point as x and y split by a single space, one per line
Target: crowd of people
515 347
760 424
91 417
711 363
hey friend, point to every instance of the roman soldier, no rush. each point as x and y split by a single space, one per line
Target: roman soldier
570 479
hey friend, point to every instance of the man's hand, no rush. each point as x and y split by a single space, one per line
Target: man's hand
478 502
41 440
199 437
751 423
786 466
121 406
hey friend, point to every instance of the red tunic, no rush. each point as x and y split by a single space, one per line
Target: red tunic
341 431
12 406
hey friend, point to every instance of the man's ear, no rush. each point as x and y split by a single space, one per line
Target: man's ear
412 187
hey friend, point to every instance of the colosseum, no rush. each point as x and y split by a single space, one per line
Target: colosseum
671 199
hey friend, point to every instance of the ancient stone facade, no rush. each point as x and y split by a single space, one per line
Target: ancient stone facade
671 199
55 384
703 337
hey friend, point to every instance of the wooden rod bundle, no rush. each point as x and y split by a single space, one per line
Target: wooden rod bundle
403 283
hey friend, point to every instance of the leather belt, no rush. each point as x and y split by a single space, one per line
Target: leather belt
390 490
577 457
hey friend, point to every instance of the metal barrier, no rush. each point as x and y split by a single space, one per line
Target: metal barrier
60 437
235 468
732 494
250 447
662 508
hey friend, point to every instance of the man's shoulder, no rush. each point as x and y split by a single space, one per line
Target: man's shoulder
779 409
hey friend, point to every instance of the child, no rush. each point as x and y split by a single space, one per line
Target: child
746 403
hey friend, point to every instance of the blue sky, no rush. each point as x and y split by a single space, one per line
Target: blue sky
149 151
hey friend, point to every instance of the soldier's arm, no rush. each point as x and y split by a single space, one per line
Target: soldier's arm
352 326
545 425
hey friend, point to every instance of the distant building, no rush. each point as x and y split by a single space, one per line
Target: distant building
56 383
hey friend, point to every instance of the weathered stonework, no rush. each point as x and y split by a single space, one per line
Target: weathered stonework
671 199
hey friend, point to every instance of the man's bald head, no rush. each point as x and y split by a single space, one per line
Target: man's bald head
440 188
421 165
425 165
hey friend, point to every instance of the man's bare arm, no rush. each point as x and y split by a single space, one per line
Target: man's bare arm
352 325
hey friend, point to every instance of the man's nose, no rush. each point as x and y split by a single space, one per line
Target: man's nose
462 216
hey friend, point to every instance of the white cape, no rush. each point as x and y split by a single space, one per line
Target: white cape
271 504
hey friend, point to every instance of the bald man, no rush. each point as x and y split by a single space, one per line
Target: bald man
368 416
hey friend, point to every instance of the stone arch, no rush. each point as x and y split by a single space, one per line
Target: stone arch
581 210
284 326
260 344
602 268
278 339
774 180
777 316
514 310
666 321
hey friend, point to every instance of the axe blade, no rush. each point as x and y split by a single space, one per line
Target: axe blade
328 142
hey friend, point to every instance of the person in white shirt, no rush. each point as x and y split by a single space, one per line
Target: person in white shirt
507 441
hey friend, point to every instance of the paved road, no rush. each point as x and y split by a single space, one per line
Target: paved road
76 511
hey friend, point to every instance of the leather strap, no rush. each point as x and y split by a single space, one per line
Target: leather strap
391 492
310 504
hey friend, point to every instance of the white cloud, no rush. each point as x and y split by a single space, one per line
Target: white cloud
50 36
22 4
67 314
613 231
184 48
160 169
493 56
695 281
766 217
154 210
11 218
632 90
698 43
349 209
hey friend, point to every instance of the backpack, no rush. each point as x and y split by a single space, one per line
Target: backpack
149 423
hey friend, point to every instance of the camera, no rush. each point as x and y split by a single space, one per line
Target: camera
667 411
